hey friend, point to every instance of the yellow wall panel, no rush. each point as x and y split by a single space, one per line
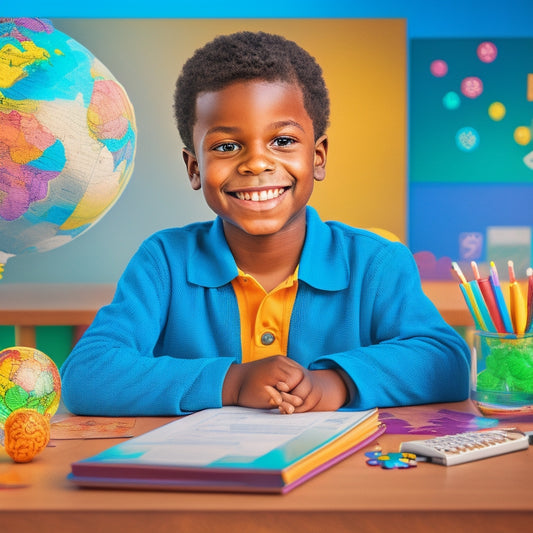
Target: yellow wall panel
364 64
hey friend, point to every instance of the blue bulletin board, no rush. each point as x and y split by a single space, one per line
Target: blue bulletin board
470 153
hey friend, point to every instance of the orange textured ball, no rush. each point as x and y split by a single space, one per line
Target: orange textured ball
27 433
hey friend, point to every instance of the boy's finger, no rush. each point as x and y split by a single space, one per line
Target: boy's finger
282 386
286 408
291 399
303 389
308 404
275 396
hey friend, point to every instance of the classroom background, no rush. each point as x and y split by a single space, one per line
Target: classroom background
395 161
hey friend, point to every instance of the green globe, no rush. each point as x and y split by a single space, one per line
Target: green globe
29 379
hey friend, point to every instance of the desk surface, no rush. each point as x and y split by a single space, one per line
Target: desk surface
489 495
27 304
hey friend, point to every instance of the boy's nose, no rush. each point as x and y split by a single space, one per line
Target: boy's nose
255 162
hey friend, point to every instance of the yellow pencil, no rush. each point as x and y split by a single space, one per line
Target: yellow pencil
469 297
517 302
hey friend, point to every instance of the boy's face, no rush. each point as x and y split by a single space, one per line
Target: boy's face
255 155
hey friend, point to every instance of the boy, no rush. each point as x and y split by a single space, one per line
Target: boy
266 305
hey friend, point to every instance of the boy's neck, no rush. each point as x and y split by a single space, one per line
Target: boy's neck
270 259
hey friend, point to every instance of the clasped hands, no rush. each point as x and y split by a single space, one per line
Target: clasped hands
278 381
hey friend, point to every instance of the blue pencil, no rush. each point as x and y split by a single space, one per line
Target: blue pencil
469 297
482 306
468 301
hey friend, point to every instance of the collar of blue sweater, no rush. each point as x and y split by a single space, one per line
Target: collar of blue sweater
323 263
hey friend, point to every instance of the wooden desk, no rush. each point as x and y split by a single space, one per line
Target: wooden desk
492 495
28 305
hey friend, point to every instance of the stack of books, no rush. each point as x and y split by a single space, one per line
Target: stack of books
231 449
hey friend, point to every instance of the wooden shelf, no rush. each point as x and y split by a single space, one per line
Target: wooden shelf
26 305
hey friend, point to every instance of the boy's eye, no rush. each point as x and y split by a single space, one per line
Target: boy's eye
283 141
227 147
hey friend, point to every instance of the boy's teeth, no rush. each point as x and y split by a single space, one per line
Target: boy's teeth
260 196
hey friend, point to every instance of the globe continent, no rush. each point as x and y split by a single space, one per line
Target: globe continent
67 138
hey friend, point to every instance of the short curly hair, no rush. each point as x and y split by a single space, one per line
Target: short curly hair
245 56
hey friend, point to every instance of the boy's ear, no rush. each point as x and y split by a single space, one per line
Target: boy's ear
321 153
192 169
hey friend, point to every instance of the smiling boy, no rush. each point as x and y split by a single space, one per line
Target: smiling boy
266 305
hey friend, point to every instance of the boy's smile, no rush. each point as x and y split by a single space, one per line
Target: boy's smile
255 155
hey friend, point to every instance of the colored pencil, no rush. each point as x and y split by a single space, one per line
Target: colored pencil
500 300
529 323
469 297
489 299
475 270
517 303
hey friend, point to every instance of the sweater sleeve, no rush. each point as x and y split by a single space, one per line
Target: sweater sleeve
408 354
113 370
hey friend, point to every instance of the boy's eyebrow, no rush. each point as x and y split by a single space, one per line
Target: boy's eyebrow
283 123
274 125
222 129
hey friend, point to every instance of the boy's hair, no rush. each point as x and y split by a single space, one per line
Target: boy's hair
245 56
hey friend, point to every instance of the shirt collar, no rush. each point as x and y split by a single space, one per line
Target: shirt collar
323 263
212 263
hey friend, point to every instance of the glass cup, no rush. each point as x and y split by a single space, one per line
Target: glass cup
502 374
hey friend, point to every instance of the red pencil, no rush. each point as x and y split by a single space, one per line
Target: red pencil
492 305
529 300
488 296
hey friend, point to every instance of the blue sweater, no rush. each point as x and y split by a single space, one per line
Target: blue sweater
164 344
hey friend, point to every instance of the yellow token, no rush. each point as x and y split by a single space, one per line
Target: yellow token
522 135
497 111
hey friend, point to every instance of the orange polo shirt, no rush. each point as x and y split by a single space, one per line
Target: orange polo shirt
265 317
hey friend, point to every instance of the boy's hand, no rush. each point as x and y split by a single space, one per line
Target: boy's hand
318 390
264 384
282 382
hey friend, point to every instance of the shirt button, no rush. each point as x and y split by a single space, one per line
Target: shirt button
267 338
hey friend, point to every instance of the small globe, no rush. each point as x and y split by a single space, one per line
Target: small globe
29 379
67 138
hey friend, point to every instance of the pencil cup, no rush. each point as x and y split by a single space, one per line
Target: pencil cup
502 374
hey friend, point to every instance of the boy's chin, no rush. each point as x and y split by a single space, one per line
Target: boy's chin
267 225
263 230
257 228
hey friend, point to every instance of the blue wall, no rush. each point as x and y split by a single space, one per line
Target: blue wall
426 18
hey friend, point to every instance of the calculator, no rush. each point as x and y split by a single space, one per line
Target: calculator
470 446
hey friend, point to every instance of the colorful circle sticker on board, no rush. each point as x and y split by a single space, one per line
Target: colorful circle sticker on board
497 111
522 135
487 52
467 139
451 100
438 68
472 87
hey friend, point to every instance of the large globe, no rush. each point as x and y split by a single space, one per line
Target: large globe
67 138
